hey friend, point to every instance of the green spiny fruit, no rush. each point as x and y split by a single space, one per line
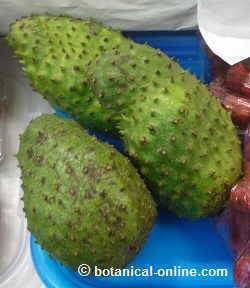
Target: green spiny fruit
178 135
54 52
84 201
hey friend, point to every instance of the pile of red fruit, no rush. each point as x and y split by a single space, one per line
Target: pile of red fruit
231 85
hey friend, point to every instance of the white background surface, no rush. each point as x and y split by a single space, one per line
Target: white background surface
23 105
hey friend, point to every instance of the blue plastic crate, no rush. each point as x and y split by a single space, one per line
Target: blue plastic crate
172 241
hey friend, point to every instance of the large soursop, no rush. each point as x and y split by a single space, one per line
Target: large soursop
54 52
179 136
84 201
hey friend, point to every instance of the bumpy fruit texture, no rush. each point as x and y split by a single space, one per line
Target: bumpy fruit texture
54 52
179 136
84 201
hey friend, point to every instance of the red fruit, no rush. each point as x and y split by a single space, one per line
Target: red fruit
246 63
233 102
240 196
219 67
247 169
240 109
209 52
247 144
217 89
235 77
238 229
242 268
245 89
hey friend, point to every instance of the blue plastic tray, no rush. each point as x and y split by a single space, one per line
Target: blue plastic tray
172 241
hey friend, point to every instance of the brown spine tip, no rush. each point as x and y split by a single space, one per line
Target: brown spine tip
158 72
163 152
165 90
152 129
175 121
109 168
153 114
69 170
143 140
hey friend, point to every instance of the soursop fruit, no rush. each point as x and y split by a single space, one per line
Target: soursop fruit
84 201
54 52
178 135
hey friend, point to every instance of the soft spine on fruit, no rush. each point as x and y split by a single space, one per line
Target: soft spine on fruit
54 52
178 135
84 201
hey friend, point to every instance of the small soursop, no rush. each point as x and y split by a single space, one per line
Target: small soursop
54 52
178 135
84 201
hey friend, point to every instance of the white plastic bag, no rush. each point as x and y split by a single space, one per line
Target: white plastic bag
225 26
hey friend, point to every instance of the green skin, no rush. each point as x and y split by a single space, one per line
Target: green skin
84 201
54 52
181 139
